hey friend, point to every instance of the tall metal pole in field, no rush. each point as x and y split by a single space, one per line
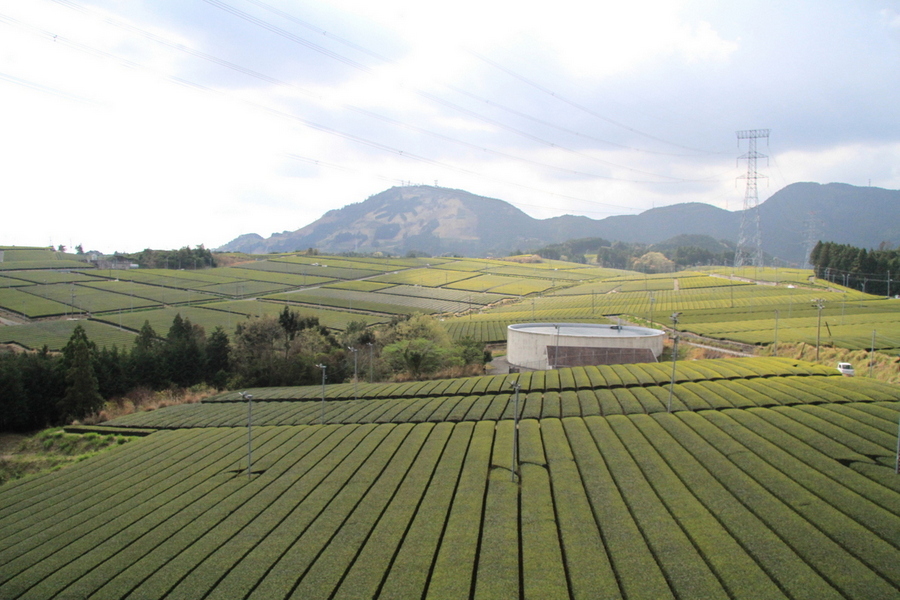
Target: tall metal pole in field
872 355
897 462
556 352
371 367
775 343
819 305
515 448
674 318
355 377
323 367
249 399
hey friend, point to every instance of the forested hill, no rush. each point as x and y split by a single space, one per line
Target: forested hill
873 271
438 221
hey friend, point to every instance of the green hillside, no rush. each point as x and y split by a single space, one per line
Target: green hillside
779 485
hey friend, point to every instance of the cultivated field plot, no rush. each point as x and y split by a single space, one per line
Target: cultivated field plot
55 334
187 280
445 294
18 300
88 299
46 276
333 319
425 277
28 265
797 276
158 294
23 253
501 284
479 398
546 273
359 286
8 282
558 380
345 262
370 301
471 264
160 319
322 268
789 502
287 279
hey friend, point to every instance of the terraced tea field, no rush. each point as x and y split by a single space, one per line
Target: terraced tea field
780 485
343 289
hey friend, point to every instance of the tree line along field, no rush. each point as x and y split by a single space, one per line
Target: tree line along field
784 500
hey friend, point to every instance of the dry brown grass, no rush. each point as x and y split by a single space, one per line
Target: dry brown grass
448 373
144 399
883 367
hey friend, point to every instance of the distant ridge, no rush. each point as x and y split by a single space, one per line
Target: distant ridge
438 221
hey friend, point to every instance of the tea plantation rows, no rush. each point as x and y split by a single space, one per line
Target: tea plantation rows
761 503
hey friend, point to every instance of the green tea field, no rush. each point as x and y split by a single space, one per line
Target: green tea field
768 479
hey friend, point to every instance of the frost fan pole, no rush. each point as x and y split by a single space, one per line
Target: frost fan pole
323 367
897 464
515 448
674 318
249 399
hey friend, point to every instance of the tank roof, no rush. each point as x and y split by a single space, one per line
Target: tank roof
595 330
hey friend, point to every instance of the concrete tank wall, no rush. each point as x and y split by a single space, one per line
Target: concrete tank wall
527 343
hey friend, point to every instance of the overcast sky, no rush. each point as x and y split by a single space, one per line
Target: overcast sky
129 124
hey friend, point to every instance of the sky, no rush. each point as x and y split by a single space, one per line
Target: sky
132 124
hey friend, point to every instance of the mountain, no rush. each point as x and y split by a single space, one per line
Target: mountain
445 221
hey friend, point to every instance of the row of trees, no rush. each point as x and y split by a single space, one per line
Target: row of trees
648 258
873 271
183 258
40 389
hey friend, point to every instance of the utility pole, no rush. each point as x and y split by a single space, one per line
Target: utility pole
872 355
775 343
819 305
355 377
515 448
749 246
674 318
323 367
249 399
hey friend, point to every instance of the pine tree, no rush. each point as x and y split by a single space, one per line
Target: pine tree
82 389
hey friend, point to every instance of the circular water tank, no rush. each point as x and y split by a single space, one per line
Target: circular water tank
541 346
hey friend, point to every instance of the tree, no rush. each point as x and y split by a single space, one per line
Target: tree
654 262
145 361
290 323
82 389
183 352
417 357
218 351
14 406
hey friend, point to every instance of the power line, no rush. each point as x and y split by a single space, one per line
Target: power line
456 89
282 114
581 107
446 103
269 79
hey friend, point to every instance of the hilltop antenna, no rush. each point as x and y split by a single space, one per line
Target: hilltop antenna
749 246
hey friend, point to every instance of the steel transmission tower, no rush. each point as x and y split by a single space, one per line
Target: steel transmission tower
813 235
749 246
